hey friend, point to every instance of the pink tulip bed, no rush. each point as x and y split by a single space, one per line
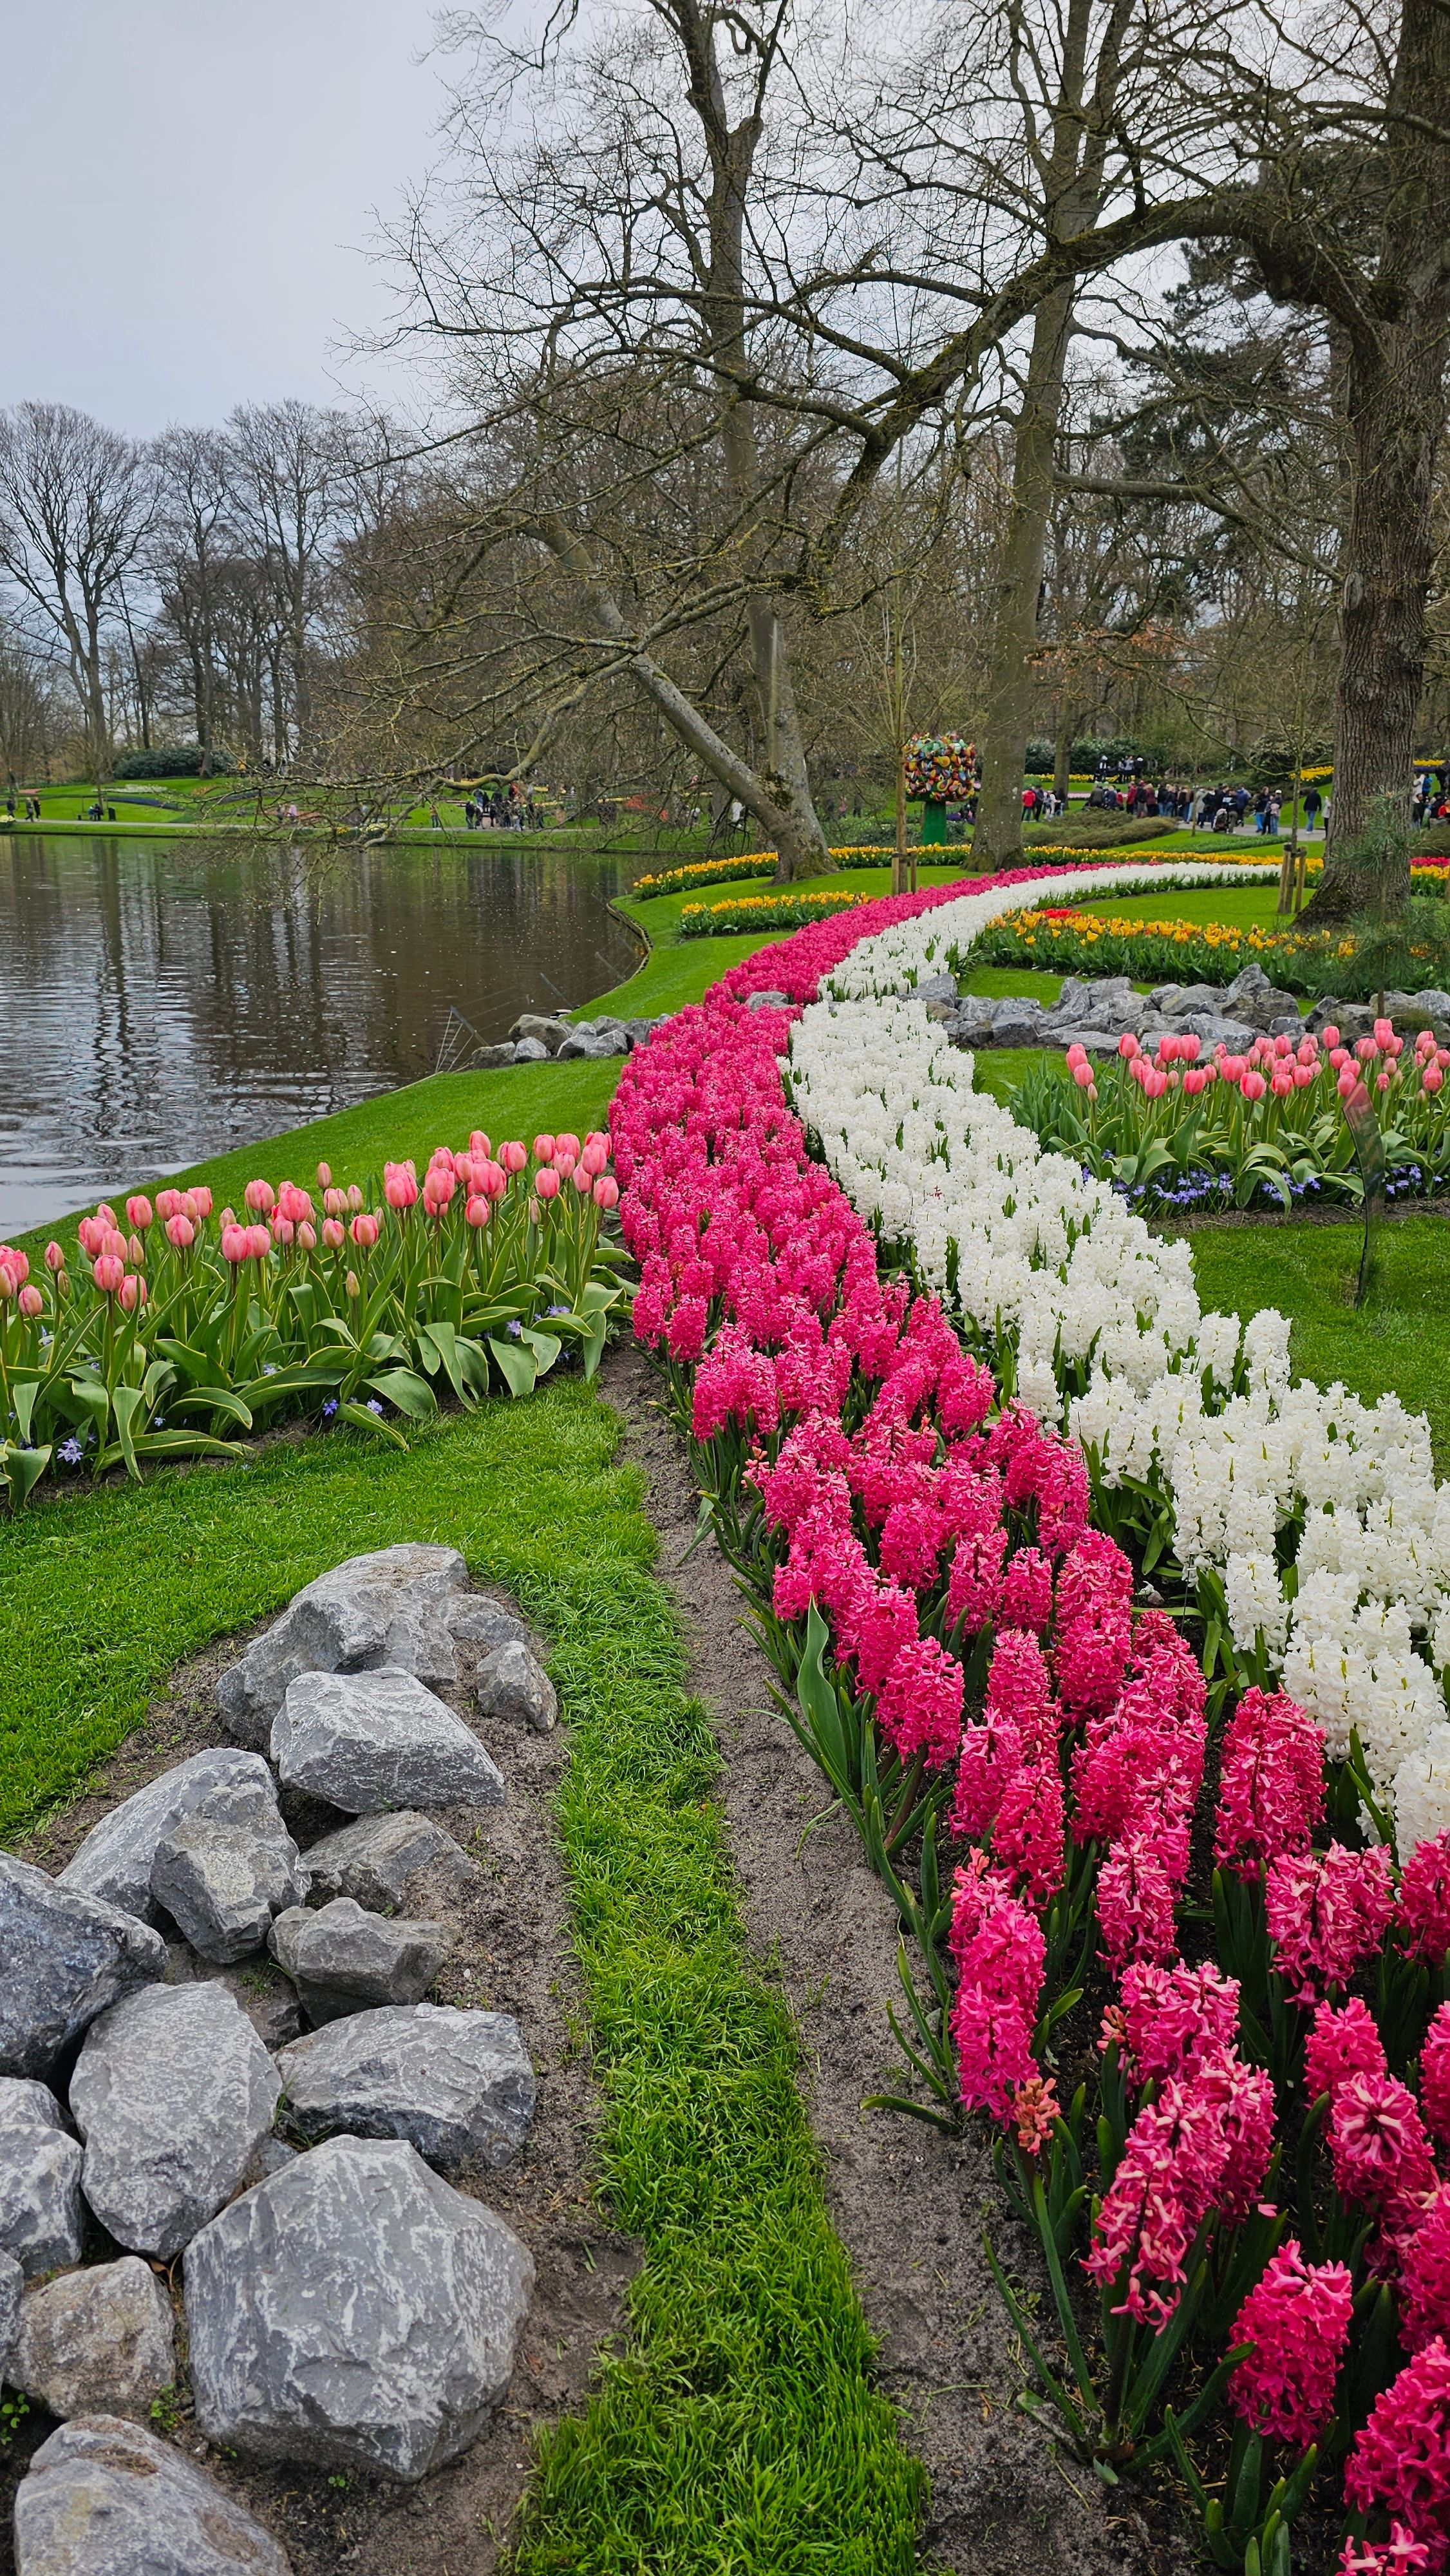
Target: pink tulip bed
170 1327
1142 1933
1174 1126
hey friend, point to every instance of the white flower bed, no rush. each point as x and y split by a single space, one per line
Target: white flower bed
1109 1339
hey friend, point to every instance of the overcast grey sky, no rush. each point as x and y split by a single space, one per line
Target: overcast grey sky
186 189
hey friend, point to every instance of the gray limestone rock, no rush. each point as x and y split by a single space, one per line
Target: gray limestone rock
65 1958
345 1960
272 2156
40 2179
1017 1023
368 1740
372 1861
114 1861
531 1051
457 2085
512 1686
1236 1035
480 1624
638 1030
492 1059
103 2498
12 2282
592 1042
374 1610
172 2092
355 2311
1172 1000
1252 997
222 1883
540 1028
1100 1042
771 1001
101 2337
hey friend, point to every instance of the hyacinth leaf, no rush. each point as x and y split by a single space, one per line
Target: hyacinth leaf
22 1468
1209 2396
1047 2233
1051 2385
438 1348
1145 2386
1373 2357
823 1733
516 1366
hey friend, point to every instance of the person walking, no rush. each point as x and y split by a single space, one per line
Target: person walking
1312 803
1272 812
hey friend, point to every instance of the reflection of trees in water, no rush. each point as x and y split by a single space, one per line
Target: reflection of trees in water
172 997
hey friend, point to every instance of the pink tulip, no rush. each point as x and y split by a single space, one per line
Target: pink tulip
1348 1082
136 1253
202 1195
9 1279
543 1149
351 1284
1384 1030
1195 1080
54 1257
114 1241
354 1195
1394 1046
294 1203
1188 1050
564 1164
581 1180
438 1189
1155 1083
400 1186
1282 1084
512 1156
478 1209
332 1234
495 1180
1303 1076
546 1183
566 1145
19 1261
260 1197
364 1231
1431 1078
1339 1057
335 1202
133 1294
226 1218
139 1212
108 1270
167 1203
1282 1046
1076 1055
461 1165
1381 1082
1127 1046
535 1213
478 1144
306 1236
91 1232
283 1229
1366 1049
594 1156
107 1213
606 1191
1253 1086
324 1176
31 1303
180 1233
1168 1049
1331 1037
1082 1074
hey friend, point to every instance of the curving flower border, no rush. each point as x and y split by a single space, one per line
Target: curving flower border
967 1665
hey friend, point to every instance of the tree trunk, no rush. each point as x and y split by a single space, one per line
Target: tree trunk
803 852
998 837
1396 408
1067 733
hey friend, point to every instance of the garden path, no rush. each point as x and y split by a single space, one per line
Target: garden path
907 2204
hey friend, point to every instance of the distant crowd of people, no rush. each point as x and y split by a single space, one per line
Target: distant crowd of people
499 809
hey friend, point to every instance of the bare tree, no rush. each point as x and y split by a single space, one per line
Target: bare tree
76 501
192 540
290 472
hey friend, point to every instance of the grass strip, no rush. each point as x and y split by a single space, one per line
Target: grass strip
740 2430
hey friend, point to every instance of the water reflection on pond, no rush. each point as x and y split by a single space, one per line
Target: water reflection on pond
159 1002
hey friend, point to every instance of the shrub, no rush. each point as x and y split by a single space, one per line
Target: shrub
172 760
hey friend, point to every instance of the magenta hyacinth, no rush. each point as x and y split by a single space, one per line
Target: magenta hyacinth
1297 2317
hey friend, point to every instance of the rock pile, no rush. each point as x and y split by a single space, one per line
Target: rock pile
1094 1014
345 2303
535 1036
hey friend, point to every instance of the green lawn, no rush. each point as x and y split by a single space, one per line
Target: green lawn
739 2429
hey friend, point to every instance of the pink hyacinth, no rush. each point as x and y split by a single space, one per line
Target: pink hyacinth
1019 1691
1380 2152
1424 1903
1200 2149
1326 1913
999 1951
1027 1591
1170 2019
1400 2463
919 1704
1400 2555
1297 2317
1271 1793
1435 2074
991 1755
1135 1905
1423 2296
1029 1839
1344 2041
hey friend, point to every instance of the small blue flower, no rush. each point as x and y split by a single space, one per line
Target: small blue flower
373 1405
559 1310
69 1452
329 1409
515 1330
45 1340
269 1368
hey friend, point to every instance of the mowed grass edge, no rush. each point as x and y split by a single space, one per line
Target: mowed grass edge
739 2428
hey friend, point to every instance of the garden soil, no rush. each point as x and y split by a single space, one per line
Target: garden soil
512 1954
908 2204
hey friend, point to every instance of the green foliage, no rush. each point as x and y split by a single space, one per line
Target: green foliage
173 760
739 2428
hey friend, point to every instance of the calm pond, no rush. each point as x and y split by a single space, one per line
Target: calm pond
159 1003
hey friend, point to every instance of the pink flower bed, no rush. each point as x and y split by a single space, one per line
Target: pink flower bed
1025 1755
